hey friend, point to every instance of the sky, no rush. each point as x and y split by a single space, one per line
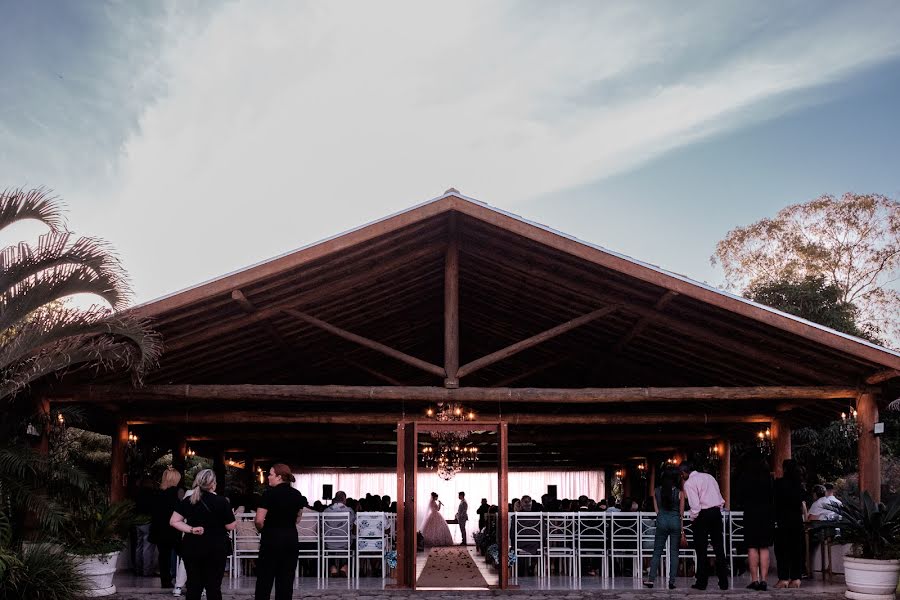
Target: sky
200 137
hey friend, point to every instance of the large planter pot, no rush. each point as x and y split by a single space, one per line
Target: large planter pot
99 570
869 579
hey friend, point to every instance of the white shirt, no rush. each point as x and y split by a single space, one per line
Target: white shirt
820 511
702 491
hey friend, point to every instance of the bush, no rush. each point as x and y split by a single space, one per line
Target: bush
41 572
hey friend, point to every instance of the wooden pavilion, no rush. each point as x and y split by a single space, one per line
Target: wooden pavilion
574 357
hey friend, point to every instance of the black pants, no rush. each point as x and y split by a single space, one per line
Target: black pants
789 552
708 529
165 563
204 572
277 563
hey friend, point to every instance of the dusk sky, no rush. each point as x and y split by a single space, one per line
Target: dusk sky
201 137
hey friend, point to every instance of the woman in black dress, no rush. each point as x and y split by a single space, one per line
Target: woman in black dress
205 519
276 518
756 491
165 538
789 516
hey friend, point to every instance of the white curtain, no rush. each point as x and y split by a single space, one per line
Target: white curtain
476 485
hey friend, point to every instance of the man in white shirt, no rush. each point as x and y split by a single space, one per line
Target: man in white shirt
825 497
706 502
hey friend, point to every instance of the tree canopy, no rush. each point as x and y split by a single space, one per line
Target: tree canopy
852 242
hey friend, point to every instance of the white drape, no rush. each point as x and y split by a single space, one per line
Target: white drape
476 485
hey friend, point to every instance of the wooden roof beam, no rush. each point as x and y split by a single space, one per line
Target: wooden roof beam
882 376
366 342
549 334
643 322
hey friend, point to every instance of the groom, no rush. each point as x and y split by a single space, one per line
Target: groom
462 515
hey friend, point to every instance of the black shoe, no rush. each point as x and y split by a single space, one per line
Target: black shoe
723 584
754 585
762 586
671 586
698 586
648 584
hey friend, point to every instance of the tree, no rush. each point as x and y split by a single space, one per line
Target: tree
41 335
813 299
853 242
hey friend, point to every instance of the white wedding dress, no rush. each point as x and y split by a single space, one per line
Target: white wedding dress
435 529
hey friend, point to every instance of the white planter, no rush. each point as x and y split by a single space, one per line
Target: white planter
869 579
99 570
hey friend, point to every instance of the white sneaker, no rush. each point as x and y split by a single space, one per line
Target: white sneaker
176 591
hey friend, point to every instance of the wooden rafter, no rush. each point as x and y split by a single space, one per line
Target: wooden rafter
643 322
883 376
371 344
451 308
549 334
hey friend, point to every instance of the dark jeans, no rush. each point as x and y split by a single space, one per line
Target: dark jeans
165 550
668 527
143 551
277 564
708 529
789 552
205 571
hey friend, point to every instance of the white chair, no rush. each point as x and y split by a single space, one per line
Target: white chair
625 540
371 541
246 542
735 547
562 541
309 539
337 540
648 541
528 540
592 539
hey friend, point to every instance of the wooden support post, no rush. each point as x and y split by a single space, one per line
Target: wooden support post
724 448
400 575
503 502
609 475
411 453
117 473
869 445
451 310
219 469
781 440
179 455
651 466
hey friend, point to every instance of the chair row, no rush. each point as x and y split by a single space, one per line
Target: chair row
613 538
323 537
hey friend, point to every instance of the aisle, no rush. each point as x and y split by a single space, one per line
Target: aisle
451 567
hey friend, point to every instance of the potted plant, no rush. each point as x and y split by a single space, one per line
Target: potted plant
94 539
872 565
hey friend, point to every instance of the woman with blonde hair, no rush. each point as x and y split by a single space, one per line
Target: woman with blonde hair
163 503
205 519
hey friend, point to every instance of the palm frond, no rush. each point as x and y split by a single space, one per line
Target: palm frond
18 204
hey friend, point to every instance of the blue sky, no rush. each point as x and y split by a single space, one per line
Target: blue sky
199 137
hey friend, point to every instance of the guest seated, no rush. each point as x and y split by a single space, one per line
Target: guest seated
339 566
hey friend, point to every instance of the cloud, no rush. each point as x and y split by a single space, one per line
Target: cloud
278 124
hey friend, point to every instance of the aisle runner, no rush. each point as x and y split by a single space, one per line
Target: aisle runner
450 567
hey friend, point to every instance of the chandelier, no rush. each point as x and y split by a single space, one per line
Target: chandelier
451 451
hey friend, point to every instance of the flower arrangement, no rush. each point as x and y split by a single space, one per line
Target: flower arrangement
391 557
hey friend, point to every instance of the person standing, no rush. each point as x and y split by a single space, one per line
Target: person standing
462 516
790 510
165 538
668 502
276 519
756 492
702 493
204 518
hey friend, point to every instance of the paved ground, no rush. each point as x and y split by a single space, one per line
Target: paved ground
523 595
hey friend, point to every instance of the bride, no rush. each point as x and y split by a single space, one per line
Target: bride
435 529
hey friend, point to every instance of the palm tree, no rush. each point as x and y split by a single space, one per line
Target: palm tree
41 335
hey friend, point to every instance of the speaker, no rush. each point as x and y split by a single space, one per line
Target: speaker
326 491
551 491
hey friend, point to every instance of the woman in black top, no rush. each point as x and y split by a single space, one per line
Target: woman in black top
165 538
205 519
789 517
276 518
756 491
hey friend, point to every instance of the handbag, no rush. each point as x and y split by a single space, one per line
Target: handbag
683 543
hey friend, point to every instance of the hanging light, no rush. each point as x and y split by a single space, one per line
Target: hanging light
60 418
132 438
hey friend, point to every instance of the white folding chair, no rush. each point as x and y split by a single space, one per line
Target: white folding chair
592 539
309 540
648 540
562 541
246 542
336 540
625 540
735 528
370 538
528 540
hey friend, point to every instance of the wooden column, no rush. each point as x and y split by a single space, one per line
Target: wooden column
407 455
724 448
219 469
609 475
179 455
451 310
868 446
651 466
781 441
503 502
117 473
